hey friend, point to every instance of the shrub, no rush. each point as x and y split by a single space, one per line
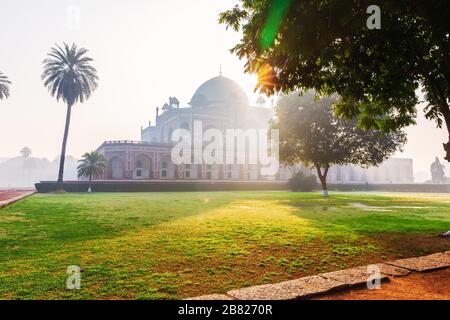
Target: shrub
302 182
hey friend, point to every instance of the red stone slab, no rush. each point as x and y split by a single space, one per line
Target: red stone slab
443 258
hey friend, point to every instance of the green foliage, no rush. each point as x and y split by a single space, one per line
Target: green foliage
4 86
91 165
233 17
277 11
311 134
325 45
302 182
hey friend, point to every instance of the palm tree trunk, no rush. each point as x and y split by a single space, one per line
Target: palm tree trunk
59 184
90 183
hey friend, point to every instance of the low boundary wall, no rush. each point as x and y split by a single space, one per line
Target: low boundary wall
163 186
183 185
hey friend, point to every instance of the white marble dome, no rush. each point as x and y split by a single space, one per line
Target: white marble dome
219 92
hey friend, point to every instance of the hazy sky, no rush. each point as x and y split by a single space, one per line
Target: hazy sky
144 51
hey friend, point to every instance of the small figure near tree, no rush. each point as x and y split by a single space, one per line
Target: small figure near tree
311 135
91 166
437 171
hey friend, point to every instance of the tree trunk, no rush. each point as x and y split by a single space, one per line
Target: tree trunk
90 183
323 178
59 184
445 110
443 106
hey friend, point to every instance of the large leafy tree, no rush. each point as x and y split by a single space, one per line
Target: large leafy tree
91 166
69 77
327 45
310 134
4 86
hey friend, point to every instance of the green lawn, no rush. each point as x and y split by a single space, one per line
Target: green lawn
176 245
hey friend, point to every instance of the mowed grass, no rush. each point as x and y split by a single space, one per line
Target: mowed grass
176 245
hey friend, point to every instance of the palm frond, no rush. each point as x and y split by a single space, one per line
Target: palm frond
68 74
92 164
4 86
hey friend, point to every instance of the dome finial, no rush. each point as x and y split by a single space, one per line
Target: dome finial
220 72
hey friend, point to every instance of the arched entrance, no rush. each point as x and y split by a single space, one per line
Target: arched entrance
167 169
142 167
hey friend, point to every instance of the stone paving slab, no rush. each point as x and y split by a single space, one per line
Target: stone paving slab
312 285
263 292
443 257
288 290
212 297
427 263
393 271
352 277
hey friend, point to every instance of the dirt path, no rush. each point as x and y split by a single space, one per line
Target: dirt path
418 286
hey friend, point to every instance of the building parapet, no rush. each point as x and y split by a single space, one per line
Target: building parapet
133 143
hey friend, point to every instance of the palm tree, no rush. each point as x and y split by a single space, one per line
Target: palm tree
91 166
4 86
68 76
